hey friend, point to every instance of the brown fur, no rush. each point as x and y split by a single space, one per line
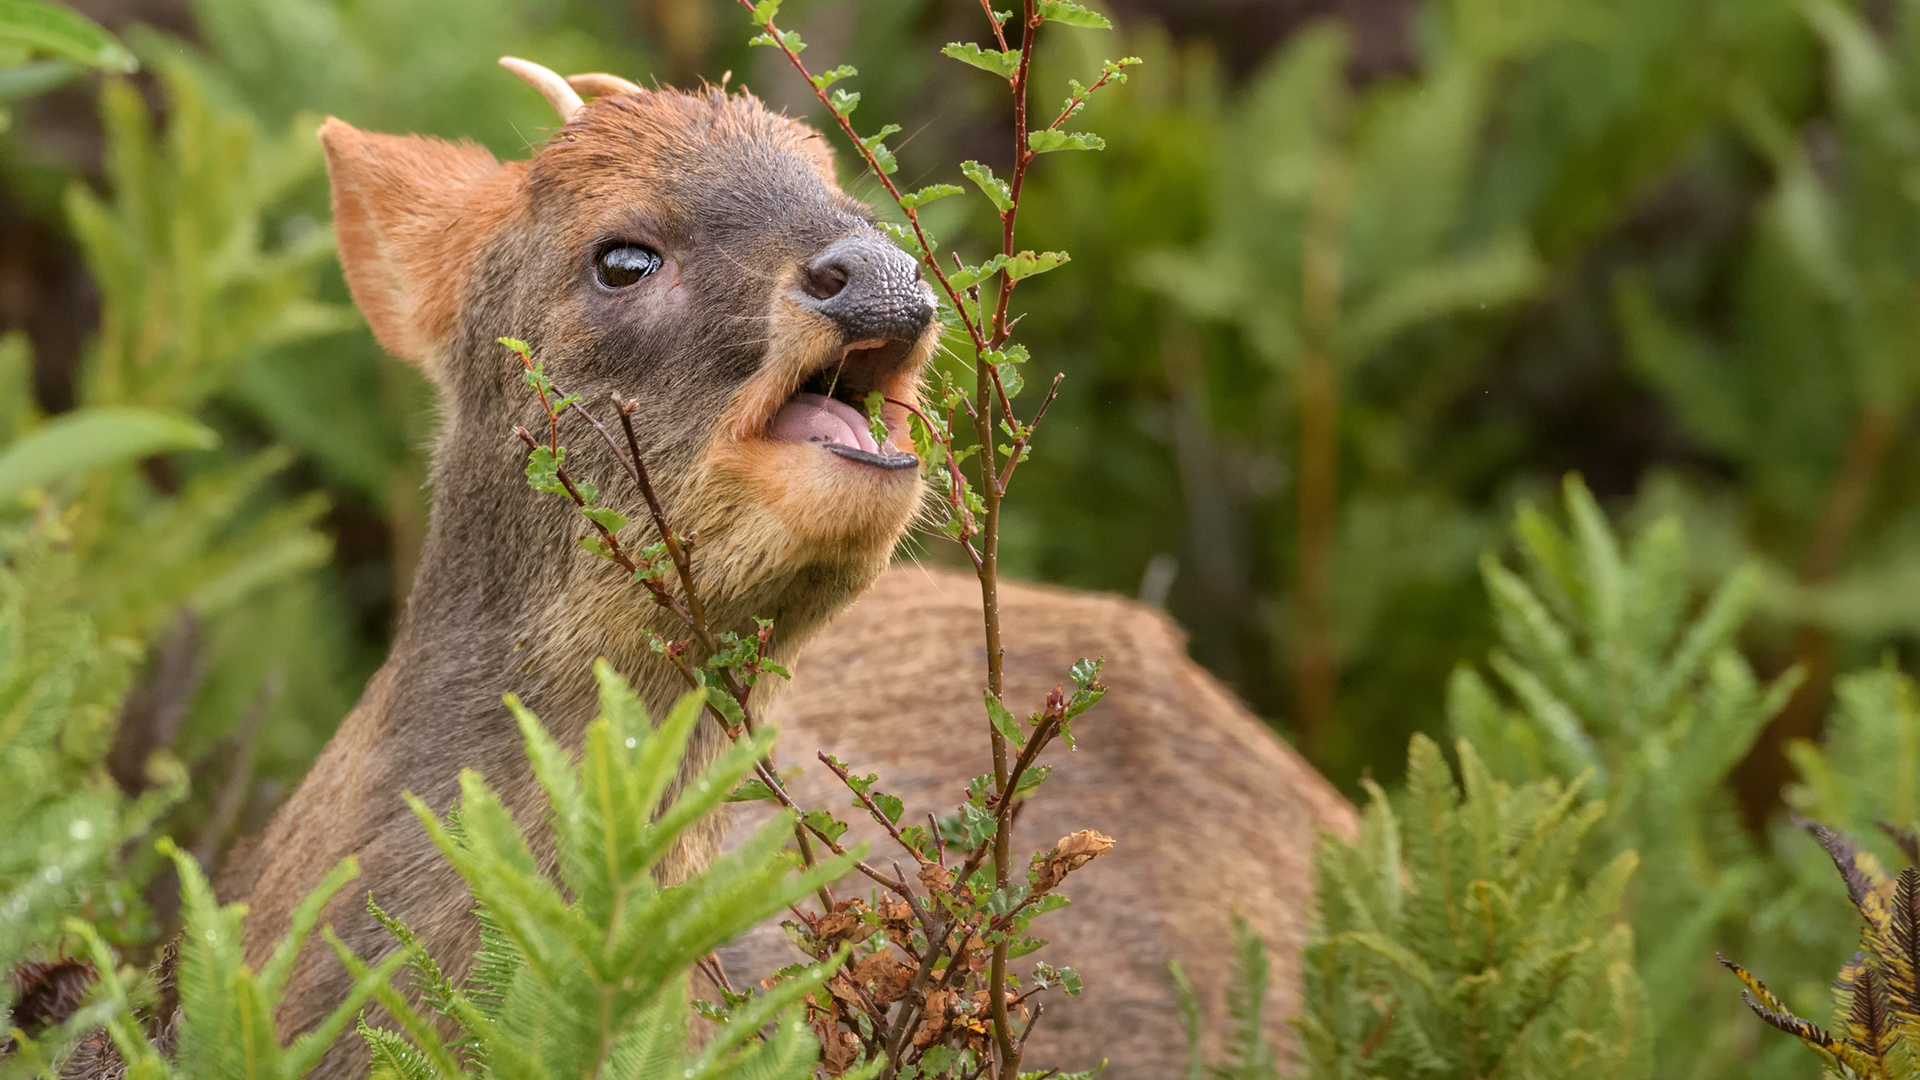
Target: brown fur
1210 812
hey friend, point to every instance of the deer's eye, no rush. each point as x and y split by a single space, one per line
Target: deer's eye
620 265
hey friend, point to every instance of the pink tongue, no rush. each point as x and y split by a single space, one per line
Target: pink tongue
816 418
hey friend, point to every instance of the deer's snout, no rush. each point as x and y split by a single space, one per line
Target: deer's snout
869 288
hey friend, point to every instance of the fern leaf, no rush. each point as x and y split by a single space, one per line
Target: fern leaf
393 1057
1189 1020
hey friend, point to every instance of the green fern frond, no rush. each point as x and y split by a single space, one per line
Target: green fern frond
1459 937
587 975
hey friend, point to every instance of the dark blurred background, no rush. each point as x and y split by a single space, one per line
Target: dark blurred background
1350 279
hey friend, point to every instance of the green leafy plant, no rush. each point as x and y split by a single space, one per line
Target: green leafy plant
67 820
225 1026
44 44
1457 938
1607 670
1249 1056
584 972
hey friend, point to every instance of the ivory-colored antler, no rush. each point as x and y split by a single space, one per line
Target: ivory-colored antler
551 86
601 84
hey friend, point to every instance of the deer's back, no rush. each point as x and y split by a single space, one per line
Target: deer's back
1211 812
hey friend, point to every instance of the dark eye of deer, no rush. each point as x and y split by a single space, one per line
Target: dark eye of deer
624 264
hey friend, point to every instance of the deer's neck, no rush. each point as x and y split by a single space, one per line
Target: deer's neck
503 602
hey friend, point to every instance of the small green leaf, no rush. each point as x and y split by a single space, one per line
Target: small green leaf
1027 263
1041 142
876 145
751 790
611 520
1033 778
1072 14
765 11
1025 946
1003 721
914 200
1007 897
995 189
788 38
1012 382
890 805
524 350
1003 64
58 30
970 829
876 424
833 75
825 824
967 277
905 237
844 101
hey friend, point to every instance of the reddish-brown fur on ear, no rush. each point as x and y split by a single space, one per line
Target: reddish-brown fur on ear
412 215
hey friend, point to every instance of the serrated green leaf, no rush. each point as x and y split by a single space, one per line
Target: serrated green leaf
1072 14
520 348
825 824
995 189
1012 382
905 237
611 520
1001 63
833 75
789 38
1028 263
914 200
1041 142
751 790
969 276
1003 721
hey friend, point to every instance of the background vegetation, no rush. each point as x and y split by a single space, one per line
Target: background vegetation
1349 293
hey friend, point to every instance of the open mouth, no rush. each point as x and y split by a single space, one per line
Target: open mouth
830 407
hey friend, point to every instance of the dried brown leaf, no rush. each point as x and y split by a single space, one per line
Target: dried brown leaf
1074 851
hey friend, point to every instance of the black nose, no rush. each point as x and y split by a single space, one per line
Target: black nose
869 287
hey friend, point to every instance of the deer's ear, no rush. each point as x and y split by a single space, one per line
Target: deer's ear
412 216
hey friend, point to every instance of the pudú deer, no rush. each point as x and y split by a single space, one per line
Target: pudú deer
692 252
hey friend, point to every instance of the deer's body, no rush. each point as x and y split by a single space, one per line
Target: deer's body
1210 812
691 252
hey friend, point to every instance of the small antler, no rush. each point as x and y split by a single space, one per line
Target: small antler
601 84
551 86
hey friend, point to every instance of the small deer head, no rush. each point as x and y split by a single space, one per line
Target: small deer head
691 252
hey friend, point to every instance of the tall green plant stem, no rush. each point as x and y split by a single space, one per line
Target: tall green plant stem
1315 669
988 565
